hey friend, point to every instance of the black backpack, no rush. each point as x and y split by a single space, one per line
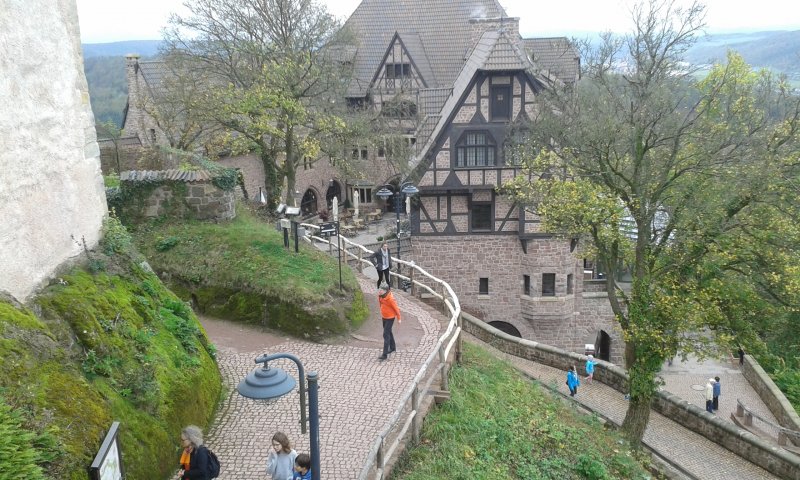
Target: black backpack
213 464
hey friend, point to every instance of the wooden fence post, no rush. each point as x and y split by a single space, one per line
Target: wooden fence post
445 383
459 346
413 287
415 422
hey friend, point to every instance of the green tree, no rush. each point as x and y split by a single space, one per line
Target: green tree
661 175
275 72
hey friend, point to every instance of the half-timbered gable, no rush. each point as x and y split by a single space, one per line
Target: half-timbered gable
464 161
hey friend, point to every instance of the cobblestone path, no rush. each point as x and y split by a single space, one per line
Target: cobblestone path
357 395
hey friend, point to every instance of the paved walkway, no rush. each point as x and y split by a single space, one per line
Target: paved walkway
358 394
694 454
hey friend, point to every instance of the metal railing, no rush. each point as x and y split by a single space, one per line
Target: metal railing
407 415
783 433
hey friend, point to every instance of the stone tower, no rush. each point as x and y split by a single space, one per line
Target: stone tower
51 189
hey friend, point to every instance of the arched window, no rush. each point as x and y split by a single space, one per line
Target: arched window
475 149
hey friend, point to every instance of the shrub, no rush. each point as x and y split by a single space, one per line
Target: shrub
164 244
18 459
115 236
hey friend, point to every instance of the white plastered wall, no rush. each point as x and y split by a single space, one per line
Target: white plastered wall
51 188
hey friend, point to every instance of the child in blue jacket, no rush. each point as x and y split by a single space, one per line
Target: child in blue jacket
572 381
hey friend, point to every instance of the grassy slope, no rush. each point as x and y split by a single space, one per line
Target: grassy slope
244 252
103 345
498 424
240 271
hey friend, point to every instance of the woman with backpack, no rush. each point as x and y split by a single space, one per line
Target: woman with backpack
196 461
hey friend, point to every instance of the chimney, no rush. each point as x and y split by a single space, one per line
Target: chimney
133 118
480 25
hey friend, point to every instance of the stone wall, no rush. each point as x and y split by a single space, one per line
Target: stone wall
565 320
51 190
176 193
775 460
252 170
770 394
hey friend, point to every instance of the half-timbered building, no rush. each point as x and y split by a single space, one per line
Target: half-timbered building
459 78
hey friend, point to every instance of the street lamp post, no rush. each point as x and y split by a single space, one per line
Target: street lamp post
403 190
267 383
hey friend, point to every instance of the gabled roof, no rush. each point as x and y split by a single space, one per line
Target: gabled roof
556 55
416 50
493 52
441 28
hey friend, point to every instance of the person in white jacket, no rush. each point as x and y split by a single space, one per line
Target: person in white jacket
280 462
710 395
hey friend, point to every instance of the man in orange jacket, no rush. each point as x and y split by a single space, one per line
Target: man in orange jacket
389 311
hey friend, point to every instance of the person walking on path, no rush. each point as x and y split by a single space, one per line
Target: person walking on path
741 356
382 259
302 467
389 312
589 369
280 462
717 391
709 395
194 457
572 381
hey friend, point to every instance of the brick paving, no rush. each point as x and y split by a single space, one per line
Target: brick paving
693 453
357 395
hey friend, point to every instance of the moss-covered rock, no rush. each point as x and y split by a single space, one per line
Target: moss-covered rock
314 321
99 347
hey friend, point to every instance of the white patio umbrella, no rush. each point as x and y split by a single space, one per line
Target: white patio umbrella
335 209
355 204
408 205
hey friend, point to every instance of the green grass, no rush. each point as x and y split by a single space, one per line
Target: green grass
245 252
241 271
500 425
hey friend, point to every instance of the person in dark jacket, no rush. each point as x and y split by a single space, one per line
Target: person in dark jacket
382 259
194 458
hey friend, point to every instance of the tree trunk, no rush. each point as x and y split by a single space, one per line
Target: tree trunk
636 418
270 178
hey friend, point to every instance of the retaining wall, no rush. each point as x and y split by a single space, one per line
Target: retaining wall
741 442
770 394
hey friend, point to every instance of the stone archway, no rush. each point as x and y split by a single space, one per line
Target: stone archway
308 205
602 346
506 327
334 191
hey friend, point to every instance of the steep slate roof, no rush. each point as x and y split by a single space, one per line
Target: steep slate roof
556 55
494 51
441 27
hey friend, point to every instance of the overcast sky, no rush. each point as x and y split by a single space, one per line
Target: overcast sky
114 20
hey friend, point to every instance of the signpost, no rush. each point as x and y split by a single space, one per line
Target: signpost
107 464
330 229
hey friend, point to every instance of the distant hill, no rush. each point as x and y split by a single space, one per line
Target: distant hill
777 50
145 48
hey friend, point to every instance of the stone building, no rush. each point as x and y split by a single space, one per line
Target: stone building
458 76
456 79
